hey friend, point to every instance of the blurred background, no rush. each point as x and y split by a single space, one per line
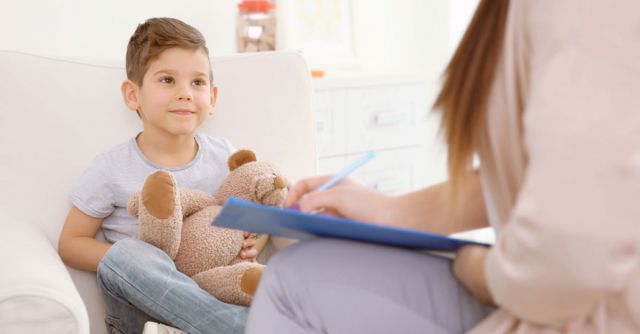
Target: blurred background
376 64
414 36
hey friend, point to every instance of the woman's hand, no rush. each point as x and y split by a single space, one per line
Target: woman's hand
347 199
468 267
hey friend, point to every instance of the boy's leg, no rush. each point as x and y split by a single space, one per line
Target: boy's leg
122 317
144 276
335 286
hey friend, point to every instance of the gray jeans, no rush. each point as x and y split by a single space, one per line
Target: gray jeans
140 283
334 286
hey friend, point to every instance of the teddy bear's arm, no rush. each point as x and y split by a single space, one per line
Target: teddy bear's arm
194 200
132 206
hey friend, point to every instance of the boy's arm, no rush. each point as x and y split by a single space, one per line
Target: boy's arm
78 246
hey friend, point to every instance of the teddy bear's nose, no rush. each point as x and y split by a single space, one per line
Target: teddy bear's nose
279 183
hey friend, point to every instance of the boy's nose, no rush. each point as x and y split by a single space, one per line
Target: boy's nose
184 95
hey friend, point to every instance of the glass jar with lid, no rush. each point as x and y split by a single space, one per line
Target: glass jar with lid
256 26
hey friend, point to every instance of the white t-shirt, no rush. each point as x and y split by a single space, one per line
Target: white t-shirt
104 189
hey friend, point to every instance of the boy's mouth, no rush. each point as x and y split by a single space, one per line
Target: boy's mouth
184 112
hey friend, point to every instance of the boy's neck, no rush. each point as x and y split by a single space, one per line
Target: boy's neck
167 150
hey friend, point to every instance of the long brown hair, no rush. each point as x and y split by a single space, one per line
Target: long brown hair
467 83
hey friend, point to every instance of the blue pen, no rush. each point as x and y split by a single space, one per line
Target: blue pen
345 172
341 175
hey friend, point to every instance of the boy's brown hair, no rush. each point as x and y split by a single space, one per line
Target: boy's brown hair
156 35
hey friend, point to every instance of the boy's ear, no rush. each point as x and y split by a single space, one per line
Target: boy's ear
214 95
130 94
214 98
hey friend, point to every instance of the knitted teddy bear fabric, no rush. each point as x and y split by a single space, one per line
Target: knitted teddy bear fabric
177 220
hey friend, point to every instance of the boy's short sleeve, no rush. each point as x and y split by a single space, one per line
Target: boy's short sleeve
230 148
92 194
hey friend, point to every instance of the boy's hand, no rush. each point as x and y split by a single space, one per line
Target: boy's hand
248 252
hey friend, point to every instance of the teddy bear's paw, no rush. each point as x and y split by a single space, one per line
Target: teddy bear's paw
230 284
250 280
159 214
159 194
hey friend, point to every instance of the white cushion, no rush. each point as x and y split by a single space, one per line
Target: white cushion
36 292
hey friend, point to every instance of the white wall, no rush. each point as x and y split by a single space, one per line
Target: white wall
92 29
397 36
406 36
461 13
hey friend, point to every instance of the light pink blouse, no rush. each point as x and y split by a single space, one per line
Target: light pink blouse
561 169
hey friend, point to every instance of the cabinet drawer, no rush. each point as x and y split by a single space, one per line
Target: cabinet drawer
394 171
389 178
391 172
390 118
330 108
385 117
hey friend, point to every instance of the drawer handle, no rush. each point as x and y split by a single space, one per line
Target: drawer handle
324 119
390 118
321 126
388 186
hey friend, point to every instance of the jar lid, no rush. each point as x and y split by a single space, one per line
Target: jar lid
256 5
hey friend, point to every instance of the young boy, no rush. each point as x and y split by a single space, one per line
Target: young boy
170 87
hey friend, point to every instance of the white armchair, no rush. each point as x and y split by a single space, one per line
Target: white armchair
56 115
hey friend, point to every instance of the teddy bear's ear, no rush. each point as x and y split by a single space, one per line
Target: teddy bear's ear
240 158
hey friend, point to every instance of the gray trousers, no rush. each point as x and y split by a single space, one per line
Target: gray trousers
335 286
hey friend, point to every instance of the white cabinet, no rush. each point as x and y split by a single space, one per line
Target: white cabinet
389 115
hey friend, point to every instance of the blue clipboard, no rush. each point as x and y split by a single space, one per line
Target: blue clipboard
257 218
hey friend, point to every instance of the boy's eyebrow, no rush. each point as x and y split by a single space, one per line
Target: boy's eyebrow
164 72
171 72
202 74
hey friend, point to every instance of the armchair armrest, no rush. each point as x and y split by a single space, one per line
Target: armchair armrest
37 294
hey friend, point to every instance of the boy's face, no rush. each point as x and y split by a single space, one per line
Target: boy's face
176 95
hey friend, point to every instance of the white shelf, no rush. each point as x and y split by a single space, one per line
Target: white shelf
353 79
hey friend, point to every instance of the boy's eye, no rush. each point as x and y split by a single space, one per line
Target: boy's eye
166 80
199 82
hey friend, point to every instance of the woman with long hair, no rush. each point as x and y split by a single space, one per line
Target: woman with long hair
546 94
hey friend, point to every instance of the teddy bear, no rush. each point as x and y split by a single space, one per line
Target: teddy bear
177 220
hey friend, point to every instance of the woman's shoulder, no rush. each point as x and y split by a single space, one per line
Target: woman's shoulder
552 26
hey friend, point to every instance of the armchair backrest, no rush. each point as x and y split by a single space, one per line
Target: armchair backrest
56 115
